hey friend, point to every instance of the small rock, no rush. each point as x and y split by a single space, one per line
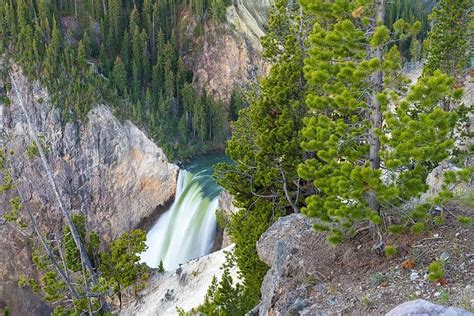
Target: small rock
417 293
414 275
169 295
298 305
331 301
321 288
437 294
444 256
360 246
436 235
422 307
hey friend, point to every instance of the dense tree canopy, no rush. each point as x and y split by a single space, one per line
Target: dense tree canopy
265 144
448 45
133 46
373 147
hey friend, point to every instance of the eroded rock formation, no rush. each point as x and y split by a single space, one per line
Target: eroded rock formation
185 287
229 54
105 169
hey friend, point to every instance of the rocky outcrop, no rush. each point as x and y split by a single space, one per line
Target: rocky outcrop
422 307
222 239
105 169
185 287
236 40
307 276
295 254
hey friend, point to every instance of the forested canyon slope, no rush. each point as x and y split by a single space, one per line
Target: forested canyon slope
347 128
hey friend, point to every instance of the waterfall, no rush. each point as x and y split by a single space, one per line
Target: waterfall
186 231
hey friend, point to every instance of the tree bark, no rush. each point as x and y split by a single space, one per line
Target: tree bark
375 110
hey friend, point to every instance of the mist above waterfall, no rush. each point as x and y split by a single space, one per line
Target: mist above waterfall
187 230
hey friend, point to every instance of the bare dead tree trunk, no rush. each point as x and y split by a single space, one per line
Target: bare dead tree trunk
62 273
285 189
104 7
66 213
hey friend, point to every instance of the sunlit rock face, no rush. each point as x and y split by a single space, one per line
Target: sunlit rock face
228 55
184 287
105 169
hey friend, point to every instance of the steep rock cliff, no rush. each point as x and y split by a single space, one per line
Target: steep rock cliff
105 169
236 40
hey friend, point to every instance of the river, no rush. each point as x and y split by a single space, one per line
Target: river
187 230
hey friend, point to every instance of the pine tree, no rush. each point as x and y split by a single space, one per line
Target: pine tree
448 44
81 56
265 144
218 10
53 53
119 75
121 263
161 267
236 104
115 16
368 158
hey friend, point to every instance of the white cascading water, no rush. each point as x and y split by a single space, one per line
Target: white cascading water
187 230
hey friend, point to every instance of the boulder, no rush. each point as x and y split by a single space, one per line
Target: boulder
422 307
296 254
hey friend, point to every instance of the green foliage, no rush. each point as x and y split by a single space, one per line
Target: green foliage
222 297
72 256
32 151
53 286
119 268
390 250
237 103
34 285
265 145
121 263
367 159
448 40
6 311
222 219
396 229
121 53
418 228
13 214
161 267
438 220
5 100
218 10
22 281
444 297
225 297
436 271
404 14
464 220
378 278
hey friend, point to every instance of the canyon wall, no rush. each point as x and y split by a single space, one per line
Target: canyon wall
105 169
227 55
